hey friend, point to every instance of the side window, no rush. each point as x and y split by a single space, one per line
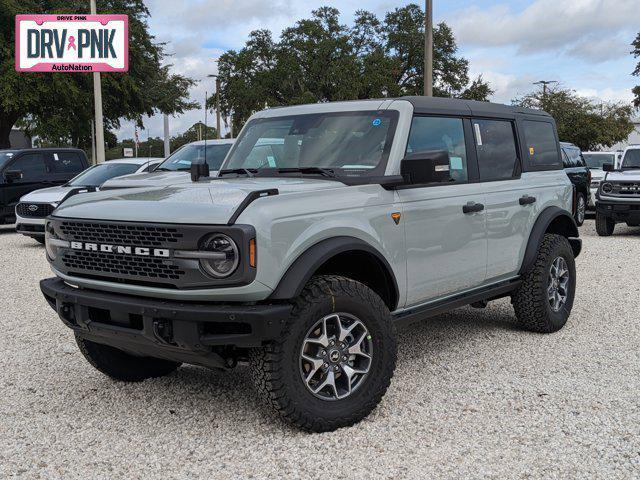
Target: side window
541 144
31 165
441 133
497 151
575 157
566 162
66 162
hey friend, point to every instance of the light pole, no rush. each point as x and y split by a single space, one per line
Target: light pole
544 84
218 118
97 101
428 48
167 145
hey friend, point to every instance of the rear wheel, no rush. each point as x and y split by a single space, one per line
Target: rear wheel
122 366
544 300
604 225
581 209
337 358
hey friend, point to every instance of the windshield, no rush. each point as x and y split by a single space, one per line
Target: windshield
349 143
5 156
96 176
182 158
631 159
597 160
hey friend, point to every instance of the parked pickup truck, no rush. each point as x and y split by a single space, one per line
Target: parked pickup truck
303 259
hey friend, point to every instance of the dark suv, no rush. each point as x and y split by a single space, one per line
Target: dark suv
580 176
23 171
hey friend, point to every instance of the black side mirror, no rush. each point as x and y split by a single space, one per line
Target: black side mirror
199 169
608 168
13 175
426 167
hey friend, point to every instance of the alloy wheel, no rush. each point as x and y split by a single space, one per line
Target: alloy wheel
558 288
336 356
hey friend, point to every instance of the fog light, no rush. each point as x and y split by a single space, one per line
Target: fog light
227 262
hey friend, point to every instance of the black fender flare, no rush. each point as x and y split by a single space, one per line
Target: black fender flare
303 268
569 229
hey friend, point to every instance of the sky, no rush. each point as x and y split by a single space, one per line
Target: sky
583 44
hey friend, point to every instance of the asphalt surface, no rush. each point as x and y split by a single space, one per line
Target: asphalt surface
472 397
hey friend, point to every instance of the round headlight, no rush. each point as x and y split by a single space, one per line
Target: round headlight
225 264
607 187
52 251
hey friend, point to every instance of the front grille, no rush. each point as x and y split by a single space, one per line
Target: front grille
121 234
34 210
631 189
115 264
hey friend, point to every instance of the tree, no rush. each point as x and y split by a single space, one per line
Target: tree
321 60
636 72
579 120
58 107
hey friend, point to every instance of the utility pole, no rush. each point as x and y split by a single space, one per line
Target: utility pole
167 145
544 84
93 144
97 99
428 48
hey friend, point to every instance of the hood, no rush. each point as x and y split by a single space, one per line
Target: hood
207 202
624 176
148 180
47 195
597 174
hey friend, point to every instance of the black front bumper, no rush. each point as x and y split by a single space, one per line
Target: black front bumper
620 211
181 331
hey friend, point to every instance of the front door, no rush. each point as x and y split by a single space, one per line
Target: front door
445 225
33 169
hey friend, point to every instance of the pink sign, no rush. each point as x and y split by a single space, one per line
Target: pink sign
72 43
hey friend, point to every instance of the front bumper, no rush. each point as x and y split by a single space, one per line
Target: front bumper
620 211
179 331
33 227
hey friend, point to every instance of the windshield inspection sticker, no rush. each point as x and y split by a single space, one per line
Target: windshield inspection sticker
377 122
72 43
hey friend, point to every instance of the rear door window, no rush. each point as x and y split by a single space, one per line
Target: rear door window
541 144
497 150
66 163
441 133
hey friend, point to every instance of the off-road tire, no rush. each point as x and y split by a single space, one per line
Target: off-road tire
120 365
581 209
530 301
604 225
275 367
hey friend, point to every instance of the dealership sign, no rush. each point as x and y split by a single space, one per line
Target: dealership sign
72 43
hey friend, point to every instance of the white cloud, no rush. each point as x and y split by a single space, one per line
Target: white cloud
582 28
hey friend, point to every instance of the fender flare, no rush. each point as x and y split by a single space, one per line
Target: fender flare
303 268
540 227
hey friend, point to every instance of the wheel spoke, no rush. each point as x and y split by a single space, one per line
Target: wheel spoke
316 365
356 347
323 339
345 332
329 381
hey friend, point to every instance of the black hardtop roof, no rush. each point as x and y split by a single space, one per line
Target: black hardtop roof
457 106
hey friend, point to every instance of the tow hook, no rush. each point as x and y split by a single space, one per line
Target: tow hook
163 331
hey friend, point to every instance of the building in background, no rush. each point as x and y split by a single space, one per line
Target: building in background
18 139
634 138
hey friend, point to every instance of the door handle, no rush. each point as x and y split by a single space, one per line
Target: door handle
527 200
472 207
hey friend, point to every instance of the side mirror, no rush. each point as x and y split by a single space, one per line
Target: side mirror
13 175
608 168
426 167
199 169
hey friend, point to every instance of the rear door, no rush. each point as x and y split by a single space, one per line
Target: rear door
509 200
446 247
33 168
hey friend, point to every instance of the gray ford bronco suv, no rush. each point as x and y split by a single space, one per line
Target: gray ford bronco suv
329 226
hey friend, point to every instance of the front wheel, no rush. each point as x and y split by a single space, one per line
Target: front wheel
604 225
336 360
544 300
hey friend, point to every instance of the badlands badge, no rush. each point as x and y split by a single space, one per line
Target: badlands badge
72 43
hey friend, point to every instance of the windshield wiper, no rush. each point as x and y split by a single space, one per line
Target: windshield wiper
239 171
325 172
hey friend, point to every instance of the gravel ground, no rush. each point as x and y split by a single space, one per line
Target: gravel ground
472 396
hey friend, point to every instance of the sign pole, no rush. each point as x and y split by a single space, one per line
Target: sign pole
167 145
97 99
428 49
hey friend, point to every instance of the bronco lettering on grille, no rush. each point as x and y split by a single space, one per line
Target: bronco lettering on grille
121 249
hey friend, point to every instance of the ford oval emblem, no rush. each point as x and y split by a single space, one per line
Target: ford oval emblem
33 208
